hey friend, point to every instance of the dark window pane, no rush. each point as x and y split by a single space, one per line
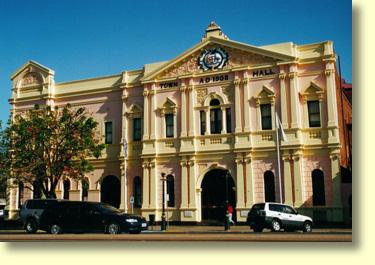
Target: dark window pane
137 129
215 117
203 121
108 132
169 125
137 192
229 120
170 190
314 113
265 110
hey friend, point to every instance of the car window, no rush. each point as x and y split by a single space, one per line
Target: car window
289 210
255 210
275 207
106 208
40 204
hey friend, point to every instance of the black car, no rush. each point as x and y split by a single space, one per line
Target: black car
77 216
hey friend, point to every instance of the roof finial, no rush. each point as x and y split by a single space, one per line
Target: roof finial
215 31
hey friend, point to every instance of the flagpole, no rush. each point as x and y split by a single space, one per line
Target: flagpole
278 156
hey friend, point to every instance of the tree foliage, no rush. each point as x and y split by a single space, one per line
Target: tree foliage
3 156
47 145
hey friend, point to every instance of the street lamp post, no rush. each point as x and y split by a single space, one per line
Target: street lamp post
226 222
163 222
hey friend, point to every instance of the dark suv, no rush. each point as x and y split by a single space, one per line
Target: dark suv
78 216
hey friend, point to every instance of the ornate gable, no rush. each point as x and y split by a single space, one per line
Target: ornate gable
216 51
236 58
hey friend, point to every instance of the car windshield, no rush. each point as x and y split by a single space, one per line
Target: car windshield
108 208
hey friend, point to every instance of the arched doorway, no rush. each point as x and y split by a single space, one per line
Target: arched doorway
214 194
110 191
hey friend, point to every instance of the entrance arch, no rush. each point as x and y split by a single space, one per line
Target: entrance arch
110 191
214 192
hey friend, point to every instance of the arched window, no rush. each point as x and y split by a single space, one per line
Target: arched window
215 116
66 189
318 187
85 189
137 192
269 186
37 190
20 194
170 190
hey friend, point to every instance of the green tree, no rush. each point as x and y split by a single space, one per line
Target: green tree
3 156
47 145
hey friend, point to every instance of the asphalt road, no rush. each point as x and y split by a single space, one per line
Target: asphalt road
194 233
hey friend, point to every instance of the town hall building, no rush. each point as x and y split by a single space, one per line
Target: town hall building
204 125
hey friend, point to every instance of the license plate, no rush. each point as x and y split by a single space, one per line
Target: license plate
144 225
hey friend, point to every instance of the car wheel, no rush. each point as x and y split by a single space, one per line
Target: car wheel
55 229
31 226
258 229
307 227
113 229
276 225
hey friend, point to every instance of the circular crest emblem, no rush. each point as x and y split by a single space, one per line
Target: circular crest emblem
215 58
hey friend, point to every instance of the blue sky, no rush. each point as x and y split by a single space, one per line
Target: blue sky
83 39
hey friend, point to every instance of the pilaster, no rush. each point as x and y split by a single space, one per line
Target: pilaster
192 188
240 183
145 186
184 185
249 184
224 120
284 104
337 213
288 185
298 189
154 178
183 110
294 98
191 110
246 107
152 112
238 127
145 115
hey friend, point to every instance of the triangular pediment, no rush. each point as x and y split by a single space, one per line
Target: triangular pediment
238 54
32 66
313 89
265 92
169 104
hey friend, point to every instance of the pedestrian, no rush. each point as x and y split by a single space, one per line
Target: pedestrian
230 213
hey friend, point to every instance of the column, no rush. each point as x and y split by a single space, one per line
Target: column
238 127
192 192
331 97
337 214
246 85
284 102
154 179
294 99
249 184
288 186
240 183
297 181
191 110
184 185
183 110
208 122
145 186
152 113
145 114
223 120
123 189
